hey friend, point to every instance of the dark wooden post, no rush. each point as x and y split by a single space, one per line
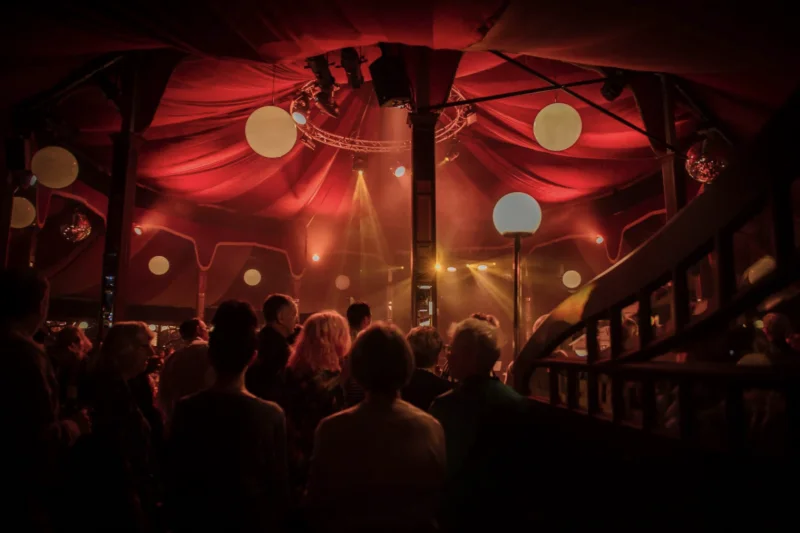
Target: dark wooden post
423 214
13 161
121 203
202 282
671 168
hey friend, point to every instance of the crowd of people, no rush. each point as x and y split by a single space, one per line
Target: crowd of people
340 424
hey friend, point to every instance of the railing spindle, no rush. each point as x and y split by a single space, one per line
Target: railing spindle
553 374
592 355
680 298
649 413
617 399
686 408
572 388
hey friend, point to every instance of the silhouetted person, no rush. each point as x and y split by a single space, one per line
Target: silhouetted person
378 466
188 370
227 448
265 376
34 436
359 317
425 385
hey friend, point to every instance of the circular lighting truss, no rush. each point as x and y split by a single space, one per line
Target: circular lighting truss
300 107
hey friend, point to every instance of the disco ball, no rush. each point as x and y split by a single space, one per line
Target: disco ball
78 229
705 161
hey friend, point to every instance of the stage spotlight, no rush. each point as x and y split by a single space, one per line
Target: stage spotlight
452 155
315 258
351 63
398 170
389 78
321 68
301 108
451 269
137 229
482 268
470 115
325 101
308 143
614 85
437 267
599 239
359 163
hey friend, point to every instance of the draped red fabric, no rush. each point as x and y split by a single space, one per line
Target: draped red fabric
244 54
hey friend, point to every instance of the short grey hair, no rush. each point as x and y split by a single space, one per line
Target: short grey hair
483 337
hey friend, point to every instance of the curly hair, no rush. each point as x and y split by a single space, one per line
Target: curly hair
322 345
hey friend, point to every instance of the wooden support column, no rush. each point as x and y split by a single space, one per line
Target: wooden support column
423 214
202 283
671 167
12 161
121 204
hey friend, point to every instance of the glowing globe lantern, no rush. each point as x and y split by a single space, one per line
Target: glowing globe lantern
571 279
252 277
271 132
557 127
159 265
517 215
54 167
23 213
342 282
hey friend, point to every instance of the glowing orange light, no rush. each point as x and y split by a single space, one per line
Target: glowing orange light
315 257
482 267
599 239
451 269
437 267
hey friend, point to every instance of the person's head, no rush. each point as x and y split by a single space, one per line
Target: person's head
359 316
280 313
233 343
426 345
777 327
127 349
26 296
193 329
474 349
381 359
485 317
72 339
322 344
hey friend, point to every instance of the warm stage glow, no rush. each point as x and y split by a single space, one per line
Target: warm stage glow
599 239
482 267
517 214
451 269
315 258
252 277
270 132
138 230
159 265
400 171
571 279
557 127
437 267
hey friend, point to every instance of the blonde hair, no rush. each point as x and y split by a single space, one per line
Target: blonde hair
322 344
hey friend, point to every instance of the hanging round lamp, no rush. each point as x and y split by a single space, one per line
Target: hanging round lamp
271 132
252 277
159 265
23 213
571 279
557 127
342 282
54 167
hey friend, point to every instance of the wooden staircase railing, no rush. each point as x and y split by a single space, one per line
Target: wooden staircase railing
761 179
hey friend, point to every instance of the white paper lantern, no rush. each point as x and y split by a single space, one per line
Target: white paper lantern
557 127
23 213
54 167
159 265
571 279
252 277
517 214
342 282
271 132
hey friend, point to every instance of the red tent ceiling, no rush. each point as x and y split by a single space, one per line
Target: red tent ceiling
196 149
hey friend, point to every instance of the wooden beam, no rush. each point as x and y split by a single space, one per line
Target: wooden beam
671 169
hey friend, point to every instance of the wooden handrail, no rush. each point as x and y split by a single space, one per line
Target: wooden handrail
740 192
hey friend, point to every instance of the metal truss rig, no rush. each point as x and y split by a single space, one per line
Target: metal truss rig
464 115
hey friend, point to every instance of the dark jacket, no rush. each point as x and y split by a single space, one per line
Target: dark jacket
265 377
423 388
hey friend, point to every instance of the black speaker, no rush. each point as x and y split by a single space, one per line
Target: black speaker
392 86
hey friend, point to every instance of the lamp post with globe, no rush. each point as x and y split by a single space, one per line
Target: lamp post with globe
517 215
